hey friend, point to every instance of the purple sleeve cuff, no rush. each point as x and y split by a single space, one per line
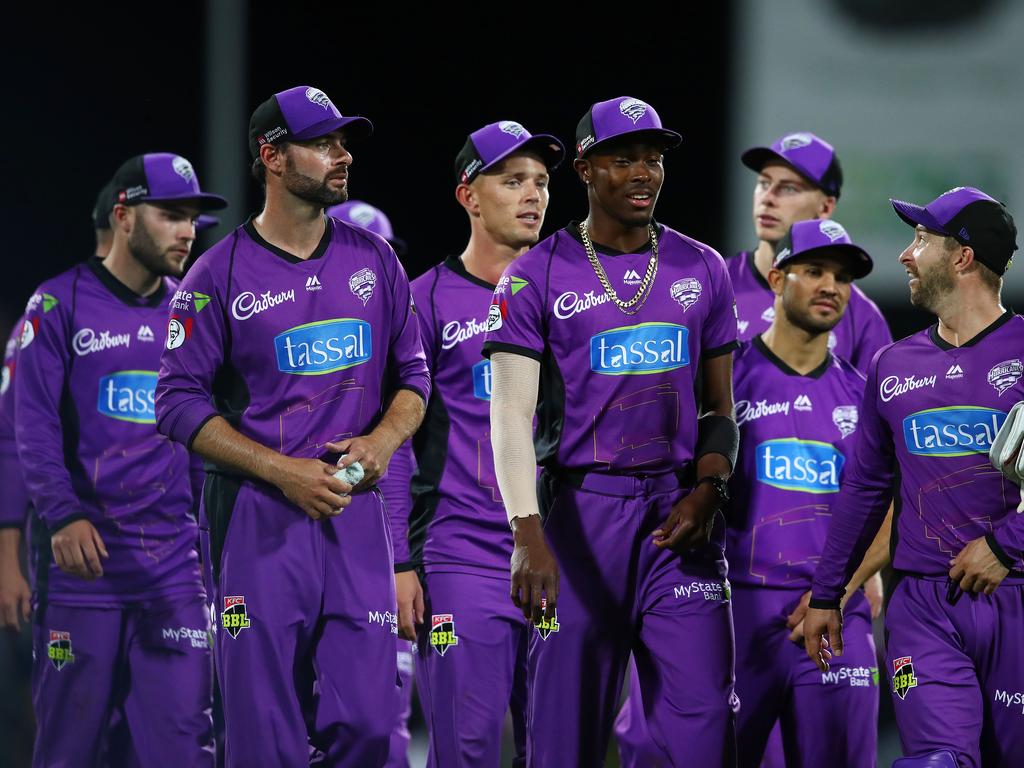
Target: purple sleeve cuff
183 421
395 487
1007 546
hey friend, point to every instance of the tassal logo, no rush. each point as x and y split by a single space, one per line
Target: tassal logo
953 431
790 464
128 396
323 347
482 380
640 349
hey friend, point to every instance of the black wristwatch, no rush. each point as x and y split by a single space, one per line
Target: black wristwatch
720 485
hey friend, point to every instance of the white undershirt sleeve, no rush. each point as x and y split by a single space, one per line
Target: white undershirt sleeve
514 382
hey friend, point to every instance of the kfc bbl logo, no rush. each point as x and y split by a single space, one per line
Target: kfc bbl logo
58 650
362 283
903 677
442 633
686 291
1005 375
235 616
546 626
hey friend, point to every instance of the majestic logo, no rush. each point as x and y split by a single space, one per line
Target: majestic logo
48 302
235 616
183 168
708 590
247 304
960 430
1005 374
891 386
686 291
748 411
496 314
955 372
85 342
631 277
128 396
313 283
634 109
323 347
546 626
833 230
188 299
741 326
318 97
511 128
640 349
855 677
808 466
177 331
456 332
845 418
803 403
197 638
482 380
795 141
570 303
145 333
903 677
768 315
442 633
58 650
362 283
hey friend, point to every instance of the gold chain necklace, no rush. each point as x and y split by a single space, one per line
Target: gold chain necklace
634 305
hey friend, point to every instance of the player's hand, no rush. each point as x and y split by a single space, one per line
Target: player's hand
310 485
823 635
410 603
795 620
690 521
371 451
15 596
875 594
976 568
534 571
77 549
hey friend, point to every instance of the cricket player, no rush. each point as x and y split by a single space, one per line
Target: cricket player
282 341
473 641
932 406
608 323
120 618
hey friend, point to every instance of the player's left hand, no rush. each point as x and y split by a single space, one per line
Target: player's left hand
371 451
823 635
409 593
874 591
976 568
795 620
689 523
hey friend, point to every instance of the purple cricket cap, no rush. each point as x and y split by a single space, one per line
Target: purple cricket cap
205 222
618 117
972 218
809 155
161 177
488 146
368 217
300 114
103 206
822 236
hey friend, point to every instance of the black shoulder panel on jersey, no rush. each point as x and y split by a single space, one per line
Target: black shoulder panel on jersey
430 444
550 411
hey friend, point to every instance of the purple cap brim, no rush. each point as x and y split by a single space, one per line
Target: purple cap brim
756 158
544 144
916 214
671 139
858 259
356 127
205 201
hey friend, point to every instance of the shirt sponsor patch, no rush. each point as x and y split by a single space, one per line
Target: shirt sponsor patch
790 464
385 619
1005 375
893 386
247 303
128 396
178 330
640 349
952 431
86 341
324 347
482 380
855 677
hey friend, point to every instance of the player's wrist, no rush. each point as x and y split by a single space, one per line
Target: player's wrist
526 529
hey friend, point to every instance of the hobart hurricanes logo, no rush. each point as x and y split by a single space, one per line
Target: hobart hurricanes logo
959 430
442 633
790 464
128 396
903 677
640 349
58 650
235 616
323 347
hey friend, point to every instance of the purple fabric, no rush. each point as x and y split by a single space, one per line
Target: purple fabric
619 117
171 177
861 332
398 749
496 141
807 237
807 153
394 486
930 411
14 507
309 113
939 211
152 659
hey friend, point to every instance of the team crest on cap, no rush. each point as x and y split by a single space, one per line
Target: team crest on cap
362 283
686 291
362 214
316 96
634 109
1005 374
795 141
58 650
832 230
845 418
183 168
512 128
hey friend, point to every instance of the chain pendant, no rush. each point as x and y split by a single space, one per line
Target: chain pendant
632 306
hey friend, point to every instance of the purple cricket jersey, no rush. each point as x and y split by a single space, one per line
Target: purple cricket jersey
312 343
929 415
457 517
860 333
796 432
84 421
14 508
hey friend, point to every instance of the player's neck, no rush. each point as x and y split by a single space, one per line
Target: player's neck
485 259
801 350
130 271
966 313
291 223
611 233
763 257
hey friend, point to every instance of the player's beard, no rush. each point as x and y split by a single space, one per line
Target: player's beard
309 189
144 248
805 321
932 285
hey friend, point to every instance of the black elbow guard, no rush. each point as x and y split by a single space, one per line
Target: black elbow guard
717 434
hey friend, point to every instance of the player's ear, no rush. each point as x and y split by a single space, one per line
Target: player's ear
828 207
467 198
776 280
582 167
272 158
120 217
963 257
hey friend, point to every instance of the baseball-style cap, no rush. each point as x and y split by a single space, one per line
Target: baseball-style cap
103 206
299 114
972 218
368 217
161 177
821 236
488 146
809 155
610 119
205 222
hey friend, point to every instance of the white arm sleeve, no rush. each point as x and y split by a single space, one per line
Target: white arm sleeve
514 381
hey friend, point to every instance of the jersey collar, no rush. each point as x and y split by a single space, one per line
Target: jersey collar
783 366
122 291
